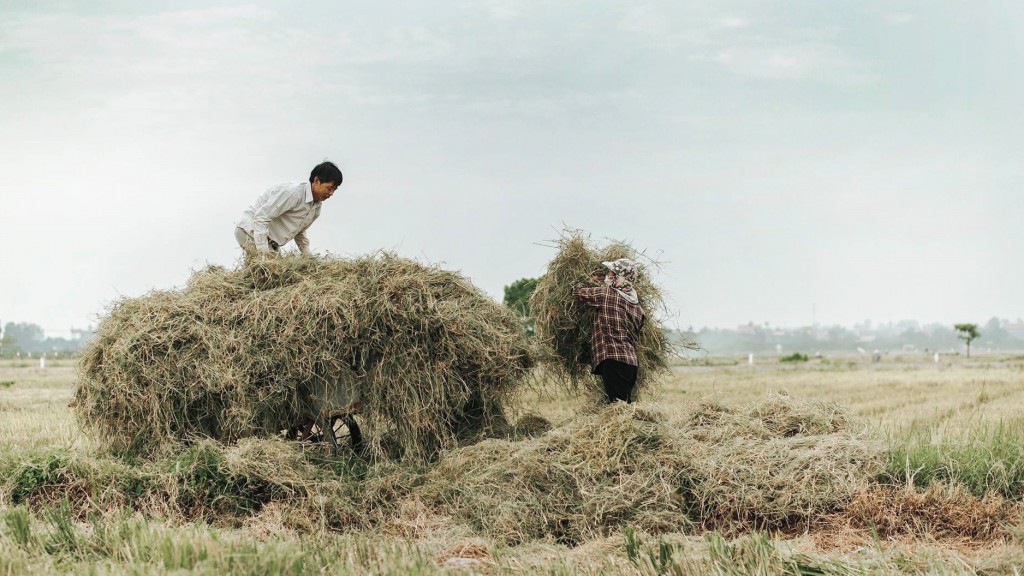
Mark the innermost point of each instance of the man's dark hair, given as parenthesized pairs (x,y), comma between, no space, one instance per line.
(326,172)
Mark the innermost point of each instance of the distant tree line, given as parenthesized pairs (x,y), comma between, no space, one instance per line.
(933,338)
(906,335)
(26,338)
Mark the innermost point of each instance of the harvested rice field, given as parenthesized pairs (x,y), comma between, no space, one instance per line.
(833,466)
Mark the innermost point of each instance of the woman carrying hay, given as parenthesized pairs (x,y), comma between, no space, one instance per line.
(616,327)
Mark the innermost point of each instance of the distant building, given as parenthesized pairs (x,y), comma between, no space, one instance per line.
(1015,329)
(748,328)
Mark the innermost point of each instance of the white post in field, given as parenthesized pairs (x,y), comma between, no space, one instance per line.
(936,357)
(750,359)
(42,361)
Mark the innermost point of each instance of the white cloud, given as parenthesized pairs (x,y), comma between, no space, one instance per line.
(733,23)
(644,19)
(776,60)
(761,45)
(219,61)
(898,18)
(240,42)
(501,9)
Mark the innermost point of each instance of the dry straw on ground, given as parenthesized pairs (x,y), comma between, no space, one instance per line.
(940,511)
(565,325)
(775,464)
(599,473)
(245,351)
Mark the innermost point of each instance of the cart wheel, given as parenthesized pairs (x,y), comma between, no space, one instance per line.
(335,430)
(346,425)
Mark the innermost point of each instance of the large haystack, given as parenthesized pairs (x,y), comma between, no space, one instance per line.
(239,352)
(565,325)
(778,463)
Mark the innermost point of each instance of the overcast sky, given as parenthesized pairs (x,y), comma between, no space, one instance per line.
(788,160)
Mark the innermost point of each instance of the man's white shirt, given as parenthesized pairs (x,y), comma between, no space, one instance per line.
(281,214)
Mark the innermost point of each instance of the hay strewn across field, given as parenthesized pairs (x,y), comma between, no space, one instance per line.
(264,505)
(244,352)
(776,463)
(565,325)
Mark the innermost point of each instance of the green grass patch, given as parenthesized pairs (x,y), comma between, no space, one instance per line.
(51,541)
(983,458)
(207,480)
(204,481)
(88,484)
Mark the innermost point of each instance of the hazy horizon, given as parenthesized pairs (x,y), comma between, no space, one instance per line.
(787,161)
(873,323)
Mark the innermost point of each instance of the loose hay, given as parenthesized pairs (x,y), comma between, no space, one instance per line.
(208,481)
(940,511)
(639,466)
(623,466)
(778,462)
(599,473)
(565,325)
(245,352)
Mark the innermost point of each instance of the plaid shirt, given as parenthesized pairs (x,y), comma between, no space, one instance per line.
(616,328)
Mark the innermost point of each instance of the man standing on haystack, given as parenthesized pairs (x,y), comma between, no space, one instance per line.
(286,211)
(616,328)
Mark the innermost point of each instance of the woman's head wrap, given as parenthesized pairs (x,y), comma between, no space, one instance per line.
(623,276)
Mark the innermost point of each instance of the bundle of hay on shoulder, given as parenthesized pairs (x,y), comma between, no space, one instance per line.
(243,352)
(565,324)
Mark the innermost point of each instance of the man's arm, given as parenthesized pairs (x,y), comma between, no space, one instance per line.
(302,241)
(279,201)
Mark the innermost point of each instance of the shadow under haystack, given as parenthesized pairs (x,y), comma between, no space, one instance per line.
(238,353)
(565,325)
